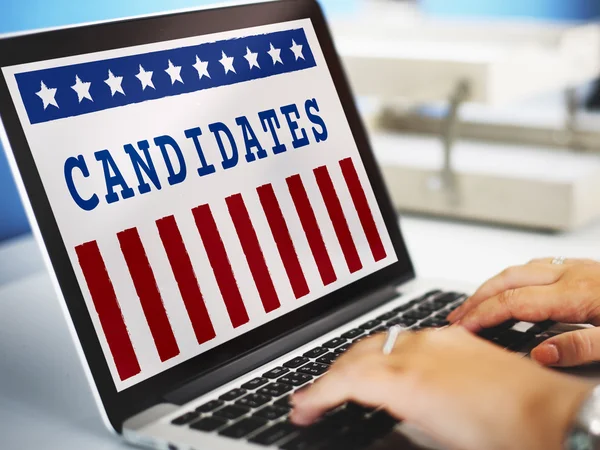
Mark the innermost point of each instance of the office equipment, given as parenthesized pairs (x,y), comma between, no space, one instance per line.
(404,60)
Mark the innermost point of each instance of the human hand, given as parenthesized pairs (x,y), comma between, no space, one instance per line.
(539,291)
(462,390)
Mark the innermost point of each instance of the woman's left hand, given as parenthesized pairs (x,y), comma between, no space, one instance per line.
(464,391)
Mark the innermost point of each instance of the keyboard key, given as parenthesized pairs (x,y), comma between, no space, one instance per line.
(208,424)
(363,433)
(416,314)
(232,395)
(232,412)
(343,349)
(275,389)
(314,369)
(336,342)
(255,383)
(449,297)
(402,321)
(210,406)
(274,434)
(378,330)
(442,315)
(313,436)
(295,379)
(434,323)
(185,418)
(315,352)
(370,324)
(296,362)
(272,412)
(253,400)
(352,333)
(387,316)
(284,402)
(346,416)
(276,372)
(329,358)
(512,339)
(243,427)
(427,307)
(491,333)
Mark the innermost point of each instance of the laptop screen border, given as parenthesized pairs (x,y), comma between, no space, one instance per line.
(137,31)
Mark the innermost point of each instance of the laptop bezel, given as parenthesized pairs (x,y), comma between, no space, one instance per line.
(118,406)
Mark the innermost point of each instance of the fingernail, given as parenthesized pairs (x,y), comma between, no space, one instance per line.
(546,354)
(456,324)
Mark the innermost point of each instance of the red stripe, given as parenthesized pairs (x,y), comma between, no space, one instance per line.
(283,240)
(147,291)
(363,209)
(217,255)
(336,214)
(254,255)
(186,278)
(311,229)
(107,307)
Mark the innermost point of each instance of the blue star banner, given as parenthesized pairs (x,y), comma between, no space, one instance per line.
(78,89)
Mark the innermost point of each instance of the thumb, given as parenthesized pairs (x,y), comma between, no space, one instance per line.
(569,349)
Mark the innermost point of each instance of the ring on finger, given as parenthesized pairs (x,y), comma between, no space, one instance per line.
(390,341)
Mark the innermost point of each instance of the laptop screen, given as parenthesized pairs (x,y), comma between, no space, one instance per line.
(202,187)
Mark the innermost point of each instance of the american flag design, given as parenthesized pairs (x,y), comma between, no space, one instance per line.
(77,89)
(185,241)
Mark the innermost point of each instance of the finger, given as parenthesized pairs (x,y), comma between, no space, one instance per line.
(531,303)
(569,349)
(511,278)
(567,261)
(366,380)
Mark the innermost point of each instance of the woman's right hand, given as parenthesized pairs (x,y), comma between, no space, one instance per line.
(540,291)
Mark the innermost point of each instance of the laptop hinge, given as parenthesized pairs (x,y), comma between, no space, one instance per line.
(272,350)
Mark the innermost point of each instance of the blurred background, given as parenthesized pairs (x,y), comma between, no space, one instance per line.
(478,110)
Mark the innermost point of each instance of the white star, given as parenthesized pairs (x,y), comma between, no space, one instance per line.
(227,62)
(47,95)
(174,72)
(275,54)
(145,78)
(82,88)
(251,58)
(114,83)
(297,49)
(201,67)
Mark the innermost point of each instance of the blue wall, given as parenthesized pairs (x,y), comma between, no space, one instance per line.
(540,9)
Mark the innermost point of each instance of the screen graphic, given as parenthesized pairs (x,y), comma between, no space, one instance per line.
(203,187)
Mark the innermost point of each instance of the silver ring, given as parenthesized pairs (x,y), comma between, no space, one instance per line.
(392,336)
(559,260)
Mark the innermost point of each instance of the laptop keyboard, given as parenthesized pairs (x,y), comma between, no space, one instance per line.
(258,410)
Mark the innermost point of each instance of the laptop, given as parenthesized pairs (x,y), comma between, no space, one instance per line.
(214,222)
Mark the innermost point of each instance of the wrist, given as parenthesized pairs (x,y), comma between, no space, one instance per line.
(558,411)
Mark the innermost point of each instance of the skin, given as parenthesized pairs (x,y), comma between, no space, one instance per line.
(538,291)
(466,392)
(462,390)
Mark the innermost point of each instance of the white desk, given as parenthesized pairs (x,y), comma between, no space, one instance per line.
(44,399)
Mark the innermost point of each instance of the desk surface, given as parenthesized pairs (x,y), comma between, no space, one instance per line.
(44,398)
